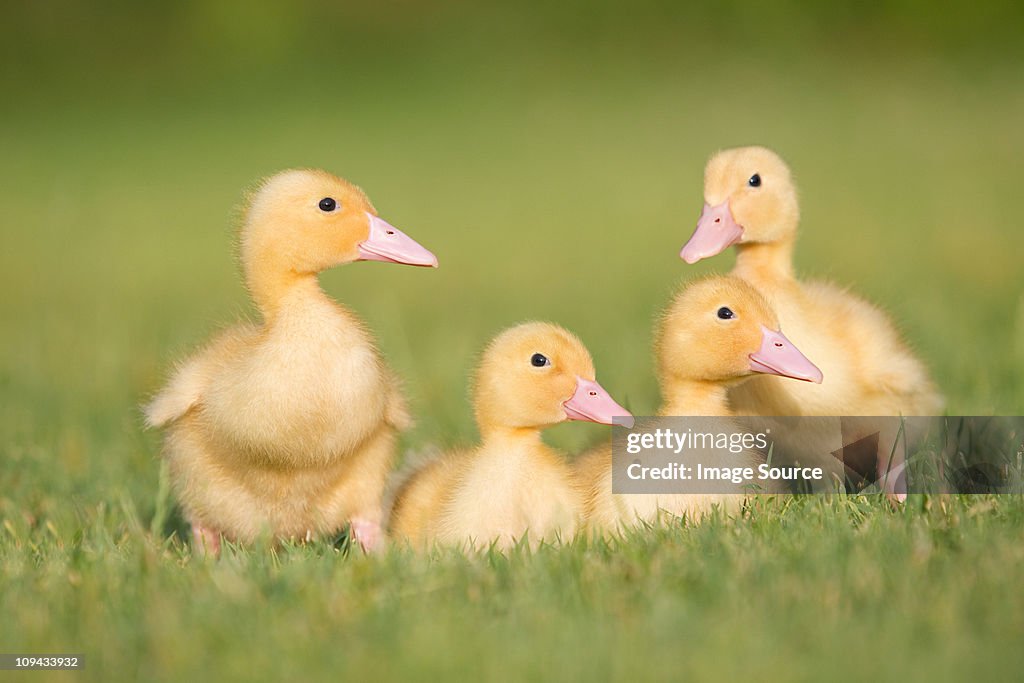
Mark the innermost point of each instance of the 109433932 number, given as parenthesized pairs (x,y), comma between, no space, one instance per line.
(40,661)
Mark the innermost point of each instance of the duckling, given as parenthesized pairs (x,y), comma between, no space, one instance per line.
(751,203)
(715,334)
(512,485)
(286,427)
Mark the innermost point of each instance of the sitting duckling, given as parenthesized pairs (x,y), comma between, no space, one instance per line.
(717,333)
(751,202)
(512,485)
(286,427)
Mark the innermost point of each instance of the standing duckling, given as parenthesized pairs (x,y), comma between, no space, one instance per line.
(512,485)
(286,427)
(717,333)
(751,202)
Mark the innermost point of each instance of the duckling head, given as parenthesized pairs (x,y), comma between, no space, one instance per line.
(720,329)
(535,375)
(307,220)
(749,197)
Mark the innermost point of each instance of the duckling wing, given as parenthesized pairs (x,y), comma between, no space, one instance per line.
(896,380)
(422,497)
(591,473)
(191,378)
(397,414)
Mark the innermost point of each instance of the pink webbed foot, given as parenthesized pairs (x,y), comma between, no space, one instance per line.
(367,533)
(894,480)
(206,540)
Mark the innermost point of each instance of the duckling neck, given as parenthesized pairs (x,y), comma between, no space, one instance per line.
(510,438)
(765,261)
(270,288)
(695,397)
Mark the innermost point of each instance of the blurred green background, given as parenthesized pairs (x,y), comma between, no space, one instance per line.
(550,154)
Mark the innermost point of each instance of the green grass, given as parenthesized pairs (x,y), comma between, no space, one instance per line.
(844,590)
(553,188)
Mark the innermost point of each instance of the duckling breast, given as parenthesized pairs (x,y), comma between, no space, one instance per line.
(309,391)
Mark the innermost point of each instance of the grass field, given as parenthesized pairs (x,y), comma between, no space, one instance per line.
(559,186)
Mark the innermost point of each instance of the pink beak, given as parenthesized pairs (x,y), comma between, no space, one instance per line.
(778,356)
(592,403)
(716,231)
(389,244)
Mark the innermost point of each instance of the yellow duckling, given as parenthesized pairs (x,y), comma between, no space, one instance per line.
(512,485)
(716,333)
(287,427)
(751,202)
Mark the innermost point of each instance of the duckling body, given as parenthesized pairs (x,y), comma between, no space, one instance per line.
(423,497)
(293,432)
(501,492)
(750,202)
(512,486)
(870,369)
(286,428)
(716,333)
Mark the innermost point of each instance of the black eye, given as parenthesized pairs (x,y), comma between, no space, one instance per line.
(755,180)
(328,204)
(539,360)
(725,313)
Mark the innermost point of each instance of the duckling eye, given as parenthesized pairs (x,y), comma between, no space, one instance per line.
(539,360)
(328,204)
(755,180)
(725,313)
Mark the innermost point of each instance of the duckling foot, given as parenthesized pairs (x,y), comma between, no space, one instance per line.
(894,481)
(206,540)
(367,533)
